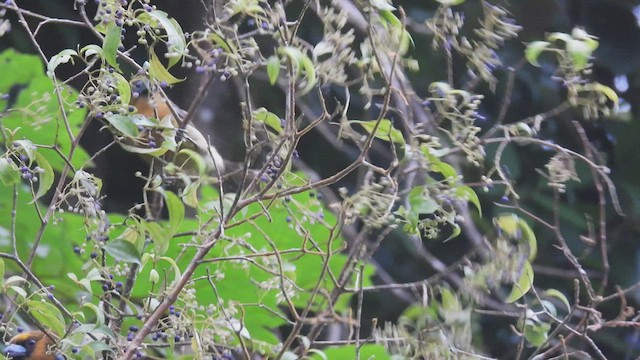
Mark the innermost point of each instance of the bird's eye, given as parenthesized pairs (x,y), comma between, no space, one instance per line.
(31,342)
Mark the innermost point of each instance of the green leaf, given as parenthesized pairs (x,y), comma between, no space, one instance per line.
(385,130)
(158,71)
(176,210)
(300,62)
(466,193)
(8,173)
(123,250)
(273,69)
(124,124)
(111,44)
(533,51)
(190,194)
(580,53)
(124,90)
(608,92)
(36,113)
(558,295)
(176,43)
(160,237)
(185,155)
(134,234)
(268,118)
(450,301)
(422,203)
(536,332)
(47,315)
(367,351)
(516,228)
(310,71)
(62,57)
(91,50)
(145,150)
(222,43)
(99,314)
(523,285)
(27,147)
(46,177)
(18,69)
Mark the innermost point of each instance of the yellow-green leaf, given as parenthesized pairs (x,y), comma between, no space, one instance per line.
(268,118)
(523,285)
(534,50)
(273,69)
(159,72)
(385,131)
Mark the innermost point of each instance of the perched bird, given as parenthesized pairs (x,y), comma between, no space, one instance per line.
(159,108)
(233,173)
(32,345)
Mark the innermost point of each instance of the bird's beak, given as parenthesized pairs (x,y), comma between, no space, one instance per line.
(14,351)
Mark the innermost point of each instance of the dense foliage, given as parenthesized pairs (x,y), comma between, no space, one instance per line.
(402,182)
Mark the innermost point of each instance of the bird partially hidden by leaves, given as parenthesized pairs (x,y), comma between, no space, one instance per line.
(188,137)
(31,345)
(188,140)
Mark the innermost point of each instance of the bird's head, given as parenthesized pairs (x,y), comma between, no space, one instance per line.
(32,345)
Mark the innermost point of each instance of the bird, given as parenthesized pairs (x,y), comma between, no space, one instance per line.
(158,107)
(31,345)
(234,173)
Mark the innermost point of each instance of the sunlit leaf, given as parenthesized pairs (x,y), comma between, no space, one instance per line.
(176,44)
(158,71)
(62,57)
(124,90)
(91,50)
(385,131)
(533,51)
(9,175)
(273,69)
(268,118)
(580,53)
(46,176)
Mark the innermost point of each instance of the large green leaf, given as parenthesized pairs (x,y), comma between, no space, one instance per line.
(36,113)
